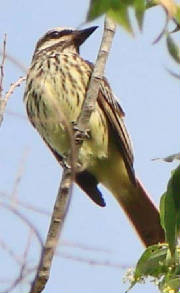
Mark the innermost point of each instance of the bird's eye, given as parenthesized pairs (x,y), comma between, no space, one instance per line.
(57,34)
(54,34)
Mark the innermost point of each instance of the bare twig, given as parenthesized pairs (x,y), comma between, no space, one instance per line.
(18,178)
(24,271)
(64,193)
(26,205)
(4,100)
(13,86)
(25,220)
(25,255)
(34,231)
(164,30)
(85,247)
(94,261)
(10,252)
(15,62)
(16,114)
(18,280)
(2,66)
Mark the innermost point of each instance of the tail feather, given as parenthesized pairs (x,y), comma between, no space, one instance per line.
(142,213)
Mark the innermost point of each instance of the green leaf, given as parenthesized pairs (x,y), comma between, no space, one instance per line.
(175,183)
(177,16)
(173,49)
(172,8)
(168,219)
(98,8)
(152,262)
(170,209)
(118,10)
(139,6)
(162,210)
(170,283)
(150,4)
(156,262)
(121,16)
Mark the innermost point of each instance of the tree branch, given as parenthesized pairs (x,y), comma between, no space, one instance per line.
(2,66)
(4,100)
(92,92)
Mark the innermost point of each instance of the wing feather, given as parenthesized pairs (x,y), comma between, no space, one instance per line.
(115,114)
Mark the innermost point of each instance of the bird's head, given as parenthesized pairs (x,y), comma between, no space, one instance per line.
(63,39)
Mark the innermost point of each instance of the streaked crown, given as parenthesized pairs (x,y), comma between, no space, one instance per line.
(63,38)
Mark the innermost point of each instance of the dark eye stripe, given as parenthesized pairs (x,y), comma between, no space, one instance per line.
(56,34)
(53,35)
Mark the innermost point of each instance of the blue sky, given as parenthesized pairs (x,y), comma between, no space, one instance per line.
(149,96)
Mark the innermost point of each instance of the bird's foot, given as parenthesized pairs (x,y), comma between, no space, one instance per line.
(79,134)
(64,162)
(66,165)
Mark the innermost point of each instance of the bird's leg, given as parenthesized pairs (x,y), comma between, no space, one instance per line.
(79,134)
(65,165)
(64,162)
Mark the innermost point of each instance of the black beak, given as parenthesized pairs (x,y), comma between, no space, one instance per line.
(82,35)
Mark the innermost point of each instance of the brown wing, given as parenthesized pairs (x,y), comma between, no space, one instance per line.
(115,114)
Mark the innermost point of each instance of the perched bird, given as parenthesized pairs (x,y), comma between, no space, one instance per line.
(56,86)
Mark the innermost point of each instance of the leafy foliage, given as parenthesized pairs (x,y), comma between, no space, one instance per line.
(173,49)
(170,210)
(170,6)
(174,52)
(118,10)
(177,15)
(156,262)
(162,261)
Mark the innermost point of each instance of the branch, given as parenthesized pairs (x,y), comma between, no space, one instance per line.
(64,193)
(2,66)
(56,225)
(15,62)
(18,178)
(98,72)
(4,100)
(25,220)
(25,205)
(94,261)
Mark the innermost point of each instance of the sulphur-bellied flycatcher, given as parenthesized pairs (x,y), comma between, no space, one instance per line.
(57,82)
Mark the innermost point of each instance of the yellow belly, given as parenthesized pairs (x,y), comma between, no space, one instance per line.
(60,110)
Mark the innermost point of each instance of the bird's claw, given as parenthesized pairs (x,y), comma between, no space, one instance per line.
(64,163)
(79,134)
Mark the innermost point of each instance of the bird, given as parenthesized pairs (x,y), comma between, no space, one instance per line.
(56,86)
